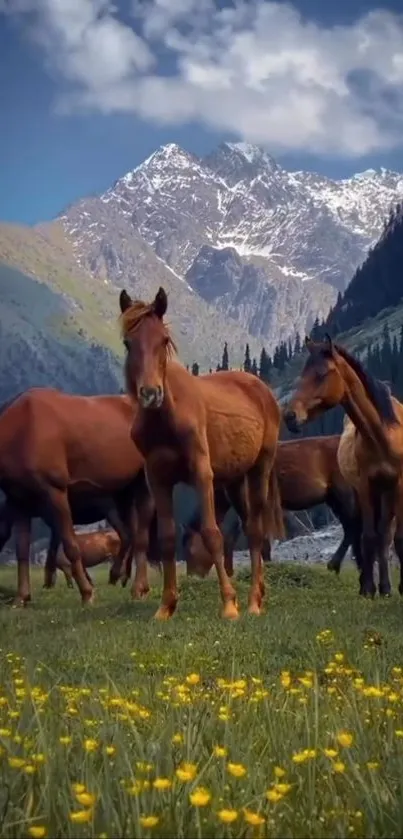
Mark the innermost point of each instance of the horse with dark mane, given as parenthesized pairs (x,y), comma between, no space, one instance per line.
(196,429)
(370,452)
(308,474)
(58,450)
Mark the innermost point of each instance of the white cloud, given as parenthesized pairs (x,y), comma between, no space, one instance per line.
(257,69)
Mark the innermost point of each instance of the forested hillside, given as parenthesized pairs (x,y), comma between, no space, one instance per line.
(40,347)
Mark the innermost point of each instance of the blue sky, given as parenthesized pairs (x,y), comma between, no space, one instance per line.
(88,91)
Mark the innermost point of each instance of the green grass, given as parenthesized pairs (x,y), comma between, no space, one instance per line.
(109,699)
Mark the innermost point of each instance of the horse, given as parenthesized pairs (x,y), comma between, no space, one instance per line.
(194,429)
(55,447)
(96,547)
(308,474)
(370,452)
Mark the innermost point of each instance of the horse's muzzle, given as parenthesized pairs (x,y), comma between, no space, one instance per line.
(151,397)
(291,420)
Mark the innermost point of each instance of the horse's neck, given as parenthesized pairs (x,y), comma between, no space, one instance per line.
(364,415)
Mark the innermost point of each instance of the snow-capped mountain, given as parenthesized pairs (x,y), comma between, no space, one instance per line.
(267,248)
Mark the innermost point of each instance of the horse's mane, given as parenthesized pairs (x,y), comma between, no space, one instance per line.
(135,315)
(10,402)
(378,392)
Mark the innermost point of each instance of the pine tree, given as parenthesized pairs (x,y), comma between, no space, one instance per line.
(196,369)
(264,365)
(297,345)
(225,360)
(247,364)
(254,367)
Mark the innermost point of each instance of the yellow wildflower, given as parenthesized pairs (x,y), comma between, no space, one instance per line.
(16,762)
(252,818)
(330,753)
(81,816)
(90,745)
(29,769)
(177,738)
(279,772)
(282,788)
(149,821)
(86,799)
(162,783)
(193,679)
(345,739)
(65,740)
(220,751)
(37,831)
(273,795)
(339,767)
(200,797)
(78,788)
(399,732)
(373,764)
(186,772)
(285,679)
(110,750)
(227,816)
(236,769)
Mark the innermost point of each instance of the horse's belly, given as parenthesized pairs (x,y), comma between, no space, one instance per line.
(234,448)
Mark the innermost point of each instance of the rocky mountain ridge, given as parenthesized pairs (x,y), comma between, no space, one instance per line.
(264,248)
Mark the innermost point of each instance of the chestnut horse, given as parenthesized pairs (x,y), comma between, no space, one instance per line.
(53,446)
(194,429)
(370,454)
(308,474)
(95,548)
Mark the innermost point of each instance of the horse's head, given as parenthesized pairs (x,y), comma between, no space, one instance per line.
(320,387)
(149,345)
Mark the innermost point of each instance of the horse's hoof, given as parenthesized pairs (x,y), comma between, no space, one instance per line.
(385,593)
(21,602)
(164,613)
(400,588)
(254,609)
(140,594)
(230,611)
(87,599)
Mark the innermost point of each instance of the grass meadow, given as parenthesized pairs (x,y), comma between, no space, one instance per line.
(288,725)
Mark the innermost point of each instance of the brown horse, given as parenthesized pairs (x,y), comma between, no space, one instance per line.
(193,429)
(308,474)
(370,452)
(54,446)
(95,548)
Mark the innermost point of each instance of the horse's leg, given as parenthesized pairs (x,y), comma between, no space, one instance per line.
(6,524)
(398,543)
(61,514)
(258,486)
(222,505)
(386,503)
(368,540)
(163,498)
(121,566)
(140,536)
(338,506)
(22,549)
(50,571)
(211,533)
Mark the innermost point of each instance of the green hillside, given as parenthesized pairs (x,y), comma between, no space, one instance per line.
(356,340)
(43,341)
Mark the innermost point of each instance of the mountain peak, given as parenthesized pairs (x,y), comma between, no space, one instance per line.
(252,154)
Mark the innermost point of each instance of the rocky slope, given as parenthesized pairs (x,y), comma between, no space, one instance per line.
(266,248)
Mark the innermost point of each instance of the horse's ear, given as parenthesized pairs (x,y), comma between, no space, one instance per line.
(160,304)
(125,301)
(308,343)
(329,343)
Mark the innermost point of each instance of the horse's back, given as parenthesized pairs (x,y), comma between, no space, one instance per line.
(64,436)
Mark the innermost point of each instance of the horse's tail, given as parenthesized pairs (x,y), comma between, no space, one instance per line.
(273,515)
